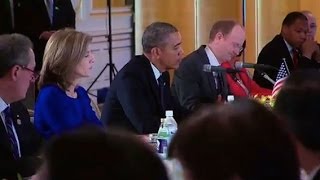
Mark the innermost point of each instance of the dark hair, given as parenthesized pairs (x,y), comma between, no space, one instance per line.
(223,26)
(242,139)
(91,153)
(292,17)
(156,34)
(14,50)
(298,102)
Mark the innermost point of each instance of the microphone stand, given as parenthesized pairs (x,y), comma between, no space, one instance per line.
(265,76)
(225,91)
(112,68)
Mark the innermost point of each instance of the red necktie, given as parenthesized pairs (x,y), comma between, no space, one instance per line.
(295,55)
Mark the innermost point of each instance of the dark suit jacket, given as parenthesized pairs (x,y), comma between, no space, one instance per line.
(5,17)
(133,100)
(29,142)
(31,19)
(191,85)
(272,54)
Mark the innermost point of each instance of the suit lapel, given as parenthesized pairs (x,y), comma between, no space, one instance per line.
(4,140)
(151,79)
(205,60)
(286,54)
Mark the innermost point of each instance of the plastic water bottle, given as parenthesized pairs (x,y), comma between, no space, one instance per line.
(171,123)
(163,138)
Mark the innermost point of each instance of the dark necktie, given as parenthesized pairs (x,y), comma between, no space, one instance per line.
(162,84)
(164,90)
(12,138)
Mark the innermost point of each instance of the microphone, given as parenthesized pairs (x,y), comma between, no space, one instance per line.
(239,65)
(209,68)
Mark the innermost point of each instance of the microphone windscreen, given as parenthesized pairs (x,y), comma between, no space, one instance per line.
(238,65)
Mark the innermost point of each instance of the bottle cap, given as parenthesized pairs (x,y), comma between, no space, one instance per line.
(230,98)
(169,113)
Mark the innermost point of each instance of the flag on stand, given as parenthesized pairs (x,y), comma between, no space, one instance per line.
(281,77)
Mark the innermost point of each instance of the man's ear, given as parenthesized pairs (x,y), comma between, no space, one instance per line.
(285,29)
(14,72)
(155,52)
(219,36)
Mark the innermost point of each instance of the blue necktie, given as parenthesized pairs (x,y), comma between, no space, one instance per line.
(12,138)
(50,9)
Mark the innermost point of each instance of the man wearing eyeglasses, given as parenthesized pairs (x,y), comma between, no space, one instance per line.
(191,85)
(18,140)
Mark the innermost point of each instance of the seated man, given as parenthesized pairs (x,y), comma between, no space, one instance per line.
(291,46)
(191,85)
(19,141)
(140,93)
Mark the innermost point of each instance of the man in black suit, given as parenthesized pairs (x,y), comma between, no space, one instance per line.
(140,93)
(298,104)
(6,17)
(18,139)
(191,85)
(38,19)
(291,46)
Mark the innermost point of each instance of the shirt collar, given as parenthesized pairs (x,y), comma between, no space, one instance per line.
(156,71)
(3,105)
(289,47)
(212,58)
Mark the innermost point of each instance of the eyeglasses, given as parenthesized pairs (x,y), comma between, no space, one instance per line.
(35,75)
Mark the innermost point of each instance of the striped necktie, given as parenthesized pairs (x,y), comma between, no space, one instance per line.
(10,132)
(49,4)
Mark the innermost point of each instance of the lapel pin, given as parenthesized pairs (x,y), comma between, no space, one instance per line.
(56,8)
(18,120)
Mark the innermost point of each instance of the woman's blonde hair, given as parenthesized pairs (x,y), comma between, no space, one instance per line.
(64,51)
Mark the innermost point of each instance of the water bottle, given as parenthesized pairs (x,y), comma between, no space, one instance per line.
(171,123)
(163,139)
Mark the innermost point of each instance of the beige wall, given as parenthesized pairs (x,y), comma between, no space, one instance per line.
(209,11)
(194,19)
(177,12)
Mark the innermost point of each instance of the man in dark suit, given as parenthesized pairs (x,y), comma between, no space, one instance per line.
(140,93)
(298,104)
(6,19)
(18,139)
(291,46)
(191,85)
(38,19)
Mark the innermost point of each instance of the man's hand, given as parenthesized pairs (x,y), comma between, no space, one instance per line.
(45,35)
(308,48)
(316,55)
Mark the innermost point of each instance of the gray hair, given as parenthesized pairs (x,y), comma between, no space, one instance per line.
(14,50)
(156,34)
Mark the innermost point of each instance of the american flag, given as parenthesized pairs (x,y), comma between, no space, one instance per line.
(281,77)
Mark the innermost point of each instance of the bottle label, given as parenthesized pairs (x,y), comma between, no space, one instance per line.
(163,146)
